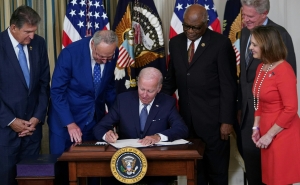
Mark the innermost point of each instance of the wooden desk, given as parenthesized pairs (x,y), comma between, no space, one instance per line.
(35,180)
(180,160)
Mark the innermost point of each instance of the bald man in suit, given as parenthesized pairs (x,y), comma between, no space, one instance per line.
(207,86)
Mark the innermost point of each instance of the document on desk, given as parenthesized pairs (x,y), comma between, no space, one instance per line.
(134,143)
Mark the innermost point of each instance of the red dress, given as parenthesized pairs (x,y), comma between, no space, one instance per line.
(278,103)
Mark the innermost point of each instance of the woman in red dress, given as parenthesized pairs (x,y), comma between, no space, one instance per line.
(276,129)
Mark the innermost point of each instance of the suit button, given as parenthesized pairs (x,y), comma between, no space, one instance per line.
(188,74)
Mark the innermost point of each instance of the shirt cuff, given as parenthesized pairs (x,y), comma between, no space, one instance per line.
(163,137)
(11,122)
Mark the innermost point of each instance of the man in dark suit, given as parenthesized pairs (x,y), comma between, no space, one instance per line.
(254,13)
(162,124)
(82,83)
(207,85)
(24,95)
(77,103)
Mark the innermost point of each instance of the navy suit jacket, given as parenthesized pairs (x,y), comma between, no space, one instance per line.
(163,118)
(72,89)
(16,99)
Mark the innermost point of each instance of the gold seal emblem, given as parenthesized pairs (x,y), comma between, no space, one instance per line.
(128,165)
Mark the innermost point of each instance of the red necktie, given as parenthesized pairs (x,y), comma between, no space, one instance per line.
(191,52)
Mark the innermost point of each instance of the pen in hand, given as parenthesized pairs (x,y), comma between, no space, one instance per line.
(115,135)
(111,136)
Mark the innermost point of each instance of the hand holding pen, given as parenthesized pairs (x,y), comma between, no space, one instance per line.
(111,136)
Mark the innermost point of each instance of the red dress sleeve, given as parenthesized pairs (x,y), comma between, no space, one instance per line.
(286,82)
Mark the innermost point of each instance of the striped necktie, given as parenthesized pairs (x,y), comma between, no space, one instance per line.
(191,51)
(248,54)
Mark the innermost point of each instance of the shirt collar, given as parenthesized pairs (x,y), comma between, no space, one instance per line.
(266,21)
(90,46)
(12,38)
(141,104)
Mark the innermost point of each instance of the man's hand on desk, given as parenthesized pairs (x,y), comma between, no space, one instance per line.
(111,136)
(150,140)
(74,132)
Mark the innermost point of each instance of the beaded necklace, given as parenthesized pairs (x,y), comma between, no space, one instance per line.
(256,98)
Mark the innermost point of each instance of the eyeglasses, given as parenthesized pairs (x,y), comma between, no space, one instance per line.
(106,58)
(194,28)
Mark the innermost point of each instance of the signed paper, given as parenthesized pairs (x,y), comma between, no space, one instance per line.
(134,143)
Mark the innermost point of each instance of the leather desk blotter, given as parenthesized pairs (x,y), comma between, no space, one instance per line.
(89,146)
(37,166)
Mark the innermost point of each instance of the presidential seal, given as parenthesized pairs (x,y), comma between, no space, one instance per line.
(128,165)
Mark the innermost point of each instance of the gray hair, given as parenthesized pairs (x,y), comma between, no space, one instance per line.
(260,6)
(149,73)
(107,36)
(24,14)
(203,14)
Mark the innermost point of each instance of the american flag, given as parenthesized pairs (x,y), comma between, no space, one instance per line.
(83,18)
(181,5)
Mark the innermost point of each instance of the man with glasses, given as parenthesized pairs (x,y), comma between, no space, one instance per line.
(202,67)
(82,83)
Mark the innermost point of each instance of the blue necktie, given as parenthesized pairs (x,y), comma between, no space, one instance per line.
(97,78)
(248,57)
(143,117)
(23,64)
(248,53)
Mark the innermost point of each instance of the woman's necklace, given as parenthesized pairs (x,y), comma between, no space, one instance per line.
(256,97)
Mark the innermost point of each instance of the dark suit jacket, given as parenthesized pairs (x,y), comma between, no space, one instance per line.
(16,99)
(72,89)
(163,118)
(207,87)
(247,75)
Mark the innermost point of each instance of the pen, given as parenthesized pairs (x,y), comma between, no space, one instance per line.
(115,133)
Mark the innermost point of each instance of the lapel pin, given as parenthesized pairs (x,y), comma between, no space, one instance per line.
(30,47)
(157,105)
(203,44)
